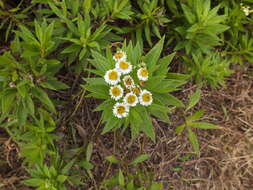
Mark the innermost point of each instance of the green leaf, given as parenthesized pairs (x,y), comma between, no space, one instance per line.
(27,35)
(136,121)
(87,6)
(111,124)
(194,99)
(153,55)
(87,165)
(167,99)
(96,81)
(130,185)
(121,178)
(188,14)
(156,30)
(196,116)
(204,125)
(158,107)
(21,114)
(140,159)
(62,178)
(164,63)
(105,105)
(71,48)
(53,84)
(7,100)
(38,31)
(56,10)
(89,151)
(193,140)
(22,88)
(72,28)
(68,166)
(75,180)
(148,34)
(97,95)
(172,100)
(34,182)
(112,159)
(29,104)
(147,126)
(82,53)
(180,128)
(48,36)
(156,186)
(100,62)
(99,89)
(43,97)
(163,116)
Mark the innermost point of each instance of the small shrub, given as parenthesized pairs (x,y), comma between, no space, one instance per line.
(136,93)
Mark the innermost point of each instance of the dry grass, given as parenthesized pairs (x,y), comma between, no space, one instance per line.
(226,160)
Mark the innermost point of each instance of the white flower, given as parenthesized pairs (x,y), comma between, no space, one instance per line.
(246,11)
(120,110)
(142,74)
(112,77)
(128,81)
(131,99)
(124,67)
(116,92)
(145,98)
(119,55)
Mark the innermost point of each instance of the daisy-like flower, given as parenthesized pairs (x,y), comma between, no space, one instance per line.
(142,74)
(120,110)
(124,67)
(136,90)
(245,9)
(128,81)
(131,99)
(145,98)
(112,77)
(119,55)
(116,92)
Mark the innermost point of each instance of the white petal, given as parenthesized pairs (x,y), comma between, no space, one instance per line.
(123,58)
(112,82)
(116,97)
(143,102)
(124,71)
(140,77)
(131,94)
(116,114)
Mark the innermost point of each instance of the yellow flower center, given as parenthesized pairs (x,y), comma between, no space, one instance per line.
(136,90)
(144,72)
(146,97)
(123,65)
(116,91)
(121,109)
(113,75)
(118,55)
(131,99)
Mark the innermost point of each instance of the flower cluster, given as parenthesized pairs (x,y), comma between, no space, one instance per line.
(246,9)
(123,87)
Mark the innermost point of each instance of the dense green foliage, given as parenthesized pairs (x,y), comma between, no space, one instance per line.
(42,38)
